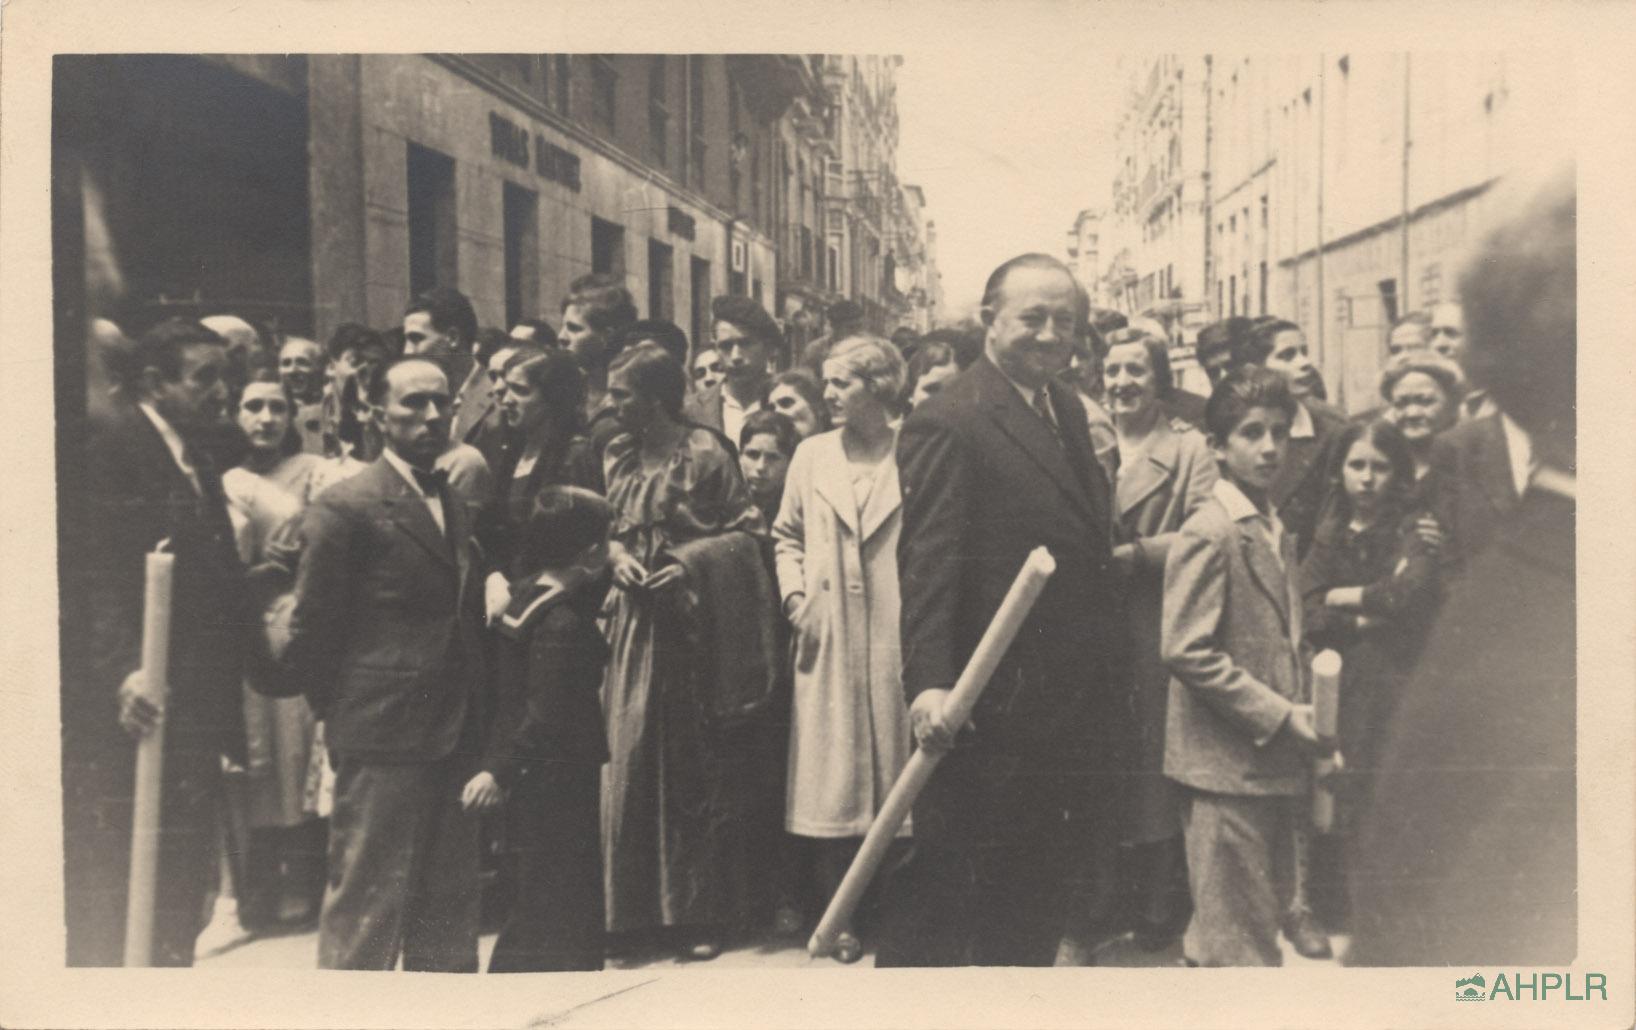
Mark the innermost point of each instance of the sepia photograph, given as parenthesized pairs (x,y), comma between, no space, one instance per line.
(696,514)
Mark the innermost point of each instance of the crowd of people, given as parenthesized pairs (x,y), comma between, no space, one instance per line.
(636,632)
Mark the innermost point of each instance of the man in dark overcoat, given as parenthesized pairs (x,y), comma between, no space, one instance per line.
(150,477)
(998,463)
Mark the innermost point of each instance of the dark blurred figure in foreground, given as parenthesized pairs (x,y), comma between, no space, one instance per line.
(1468,854)
(152,477)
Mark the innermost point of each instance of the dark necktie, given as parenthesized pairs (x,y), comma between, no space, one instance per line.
(434,483)
(1042,406)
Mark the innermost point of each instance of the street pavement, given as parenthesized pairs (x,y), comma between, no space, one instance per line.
(223,945)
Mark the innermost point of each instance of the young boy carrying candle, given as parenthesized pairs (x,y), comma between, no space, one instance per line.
(1239,732)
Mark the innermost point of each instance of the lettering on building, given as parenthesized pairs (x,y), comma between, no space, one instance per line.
(509,142)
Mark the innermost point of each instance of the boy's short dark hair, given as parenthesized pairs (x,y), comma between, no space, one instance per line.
(354,337)
(1252,347)
(664,332)
(749,318)
(604,302)
(772,423)
(1243,388)
(450,311)
(490,342)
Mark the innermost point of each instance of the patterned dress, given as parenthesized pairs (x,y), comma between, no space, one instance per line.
(671,809)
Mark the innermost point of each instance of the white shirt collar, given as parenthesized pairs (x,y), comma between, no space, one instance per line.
(1301,427)
(1520,450)
(406,470)
(173,440)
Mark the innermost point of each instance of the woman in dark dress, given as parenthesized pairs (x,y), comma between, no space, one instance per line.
(672,808)
(1369,585)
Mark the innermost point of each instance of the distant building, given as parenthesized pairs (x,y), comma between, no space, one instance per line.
(1084,253)
(303,191)
(1335,190)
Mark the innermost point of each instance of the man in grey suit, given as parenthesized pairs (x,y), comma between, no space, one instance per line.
(385,636)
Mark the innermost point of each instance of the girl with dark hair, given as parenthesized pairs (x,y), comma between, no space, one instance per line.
(668,802)
(542,408)
(1369,585)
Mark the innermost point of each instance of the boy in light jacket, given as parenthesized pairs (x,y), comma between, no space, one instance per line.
(1239,733)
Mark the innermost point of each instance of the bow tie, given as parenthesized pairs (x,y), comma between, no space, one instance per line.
(434,483)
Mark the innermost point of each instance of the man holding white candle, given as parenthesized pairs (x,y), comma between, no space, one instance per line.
(150,477)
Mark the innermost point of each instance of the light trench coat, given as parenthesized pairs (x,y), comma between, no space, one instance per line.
(849,731)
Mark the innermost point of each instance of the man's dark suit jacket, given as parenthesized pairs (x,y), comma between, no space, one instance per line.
(1302,488)
(386,629)
(1472,488)
(984,483)
(477,418)
(135,496)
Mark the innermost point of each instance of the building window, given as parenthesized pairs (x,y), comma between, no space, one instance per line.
(695,120)
(1263,287)
(522,252)
(832,266)
(1232,295)
(564,83)
(607,247)
(661,287)
(658,109)
(604,88)
(699,290)
(432,225)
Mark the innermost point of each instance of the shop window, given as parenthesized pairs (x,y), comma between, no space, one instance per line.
(522,252)
(607,247)
(661,295)
(432,223)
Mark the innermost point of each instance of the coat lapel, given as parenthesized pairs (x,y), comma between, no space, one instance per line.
(1030,433)
(1140,479)
(408,512)
(1263,566)
(885,497)
(830,480)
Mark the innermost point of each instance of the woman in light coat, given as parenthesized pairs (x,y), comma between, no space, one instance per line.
(836,539)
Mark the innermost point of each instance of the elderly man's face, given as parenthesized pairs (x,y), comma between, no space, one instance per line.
(1031,328)
(299,364)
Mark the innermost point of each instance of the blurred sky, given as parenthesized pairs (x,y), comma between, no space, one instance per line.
(1009,145)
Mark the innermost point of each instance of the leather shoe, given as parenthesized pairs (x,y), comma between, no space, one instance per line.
(1305,937)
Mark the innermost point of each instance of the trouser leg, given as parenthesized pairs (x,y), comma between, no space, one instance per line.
(1232,845)
(444,904)
(374,829)
(556,917)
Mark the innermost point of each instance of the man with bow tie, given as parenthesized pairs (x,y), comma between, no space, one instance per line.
(385,634)
(150,477)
